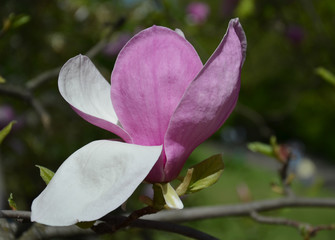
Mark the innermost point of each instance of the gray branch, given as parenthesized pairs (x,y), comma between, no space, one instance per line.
(305,229)
(162,220)
(92,52)
(109,227)
(39,231)
(198,213)
(26,93)
(274,220)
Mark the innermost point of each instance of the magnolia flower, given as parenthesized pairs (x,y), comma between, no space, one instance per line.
(197,12)
(162,102)
(7,114)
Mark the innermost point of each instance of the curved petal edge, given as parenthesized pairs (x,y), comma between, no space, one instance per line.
(149,78)
(85,89)
(208,101)
(93,181)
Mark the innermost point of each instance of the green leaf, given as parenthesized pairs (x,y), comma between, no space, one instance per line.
(245,8)
(262,148)
(14,21)
(20,20)
(11,202)
(206,173)
(6,25)
(325,74)
(273,142)
(85,225)
(2,80)
(46,174)
(183,186)
(304,230)
(4,132)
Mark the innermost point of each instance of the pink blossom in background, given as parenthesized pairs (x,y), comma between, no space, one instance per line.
(13,142)
(114,47)
(162,101)
(295,34)
(6,115)
(197,12)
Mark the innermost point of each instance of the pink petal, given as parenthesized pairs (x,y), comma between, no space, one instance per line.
(149,78)
(83,87)
(208,101)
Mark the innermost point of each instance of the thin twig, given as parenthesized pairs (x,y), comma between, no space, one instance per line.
(274,220)
(318,228)
(283,174)
(26,93)
(38,231)
(109,227)
(41,78)
(27,96)
(15,91)
(92,52)
(44,116)
(255,117)
(20,216)
(199,213)
(136,215)
(305,229)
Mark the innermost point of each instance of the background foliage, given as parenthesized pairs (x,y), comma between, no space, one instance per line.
(281,93)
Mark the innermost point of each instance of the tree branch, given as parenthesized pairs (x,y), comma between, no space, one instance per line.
(20,216)
(199,213)
(305,229)
(26,93)
(15,91)
(159,220)
(114,221)
(41,78)
(44,115)
(92,52)
(134,216)
(38,231)
(255,117)
(274,220)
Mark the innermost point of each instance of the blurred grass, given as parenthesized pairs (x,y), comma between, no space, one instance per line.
(257,178)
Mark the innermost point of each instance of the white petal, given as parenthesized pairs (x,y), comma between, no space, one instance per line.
(82,86)
(180,32)
(171,197)
(93,181)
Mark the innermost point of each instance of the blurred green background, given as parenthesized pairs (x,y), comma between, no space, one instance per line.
(281,92)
